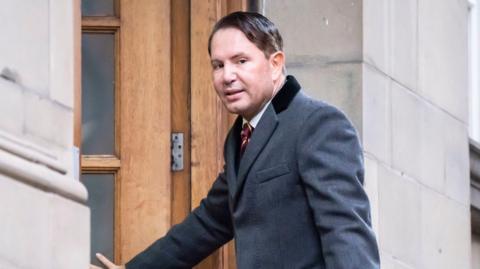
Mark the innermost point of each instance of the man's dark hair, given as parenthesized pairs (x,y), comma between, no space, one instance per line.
(256,27)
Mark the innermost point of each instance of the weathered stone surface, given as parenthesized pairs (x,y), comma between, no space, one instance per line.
(24,42)
(443,67)
(11,107)
(69,229)
(403,45)
(338,84)
(48,121)
(377,130)
(399,215)
(329,29)
(445,232)
(457,173)
(62,52)
(376,35)
(417,139)
(24,228)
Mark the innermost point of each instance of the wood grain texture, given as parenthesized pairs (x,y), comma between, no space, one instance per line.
(210,120)
(181,202)
(206,110)
(100,22)
(145,187)
(100,163)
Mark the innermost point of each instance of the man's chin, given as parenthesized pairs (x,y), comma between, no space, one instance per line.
(234,108)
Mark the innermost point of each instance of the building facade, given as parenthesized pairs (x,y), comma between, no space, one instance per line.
(401,70)
(45,222)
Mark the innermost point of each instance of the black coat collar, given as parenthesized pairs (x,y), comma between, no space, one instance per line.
(286,94)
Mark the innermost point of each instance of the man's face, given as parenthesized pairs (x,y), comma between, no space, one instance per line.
(242,75)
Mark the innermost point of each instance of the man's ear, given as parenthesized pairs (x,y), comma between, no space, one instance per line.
(277,63)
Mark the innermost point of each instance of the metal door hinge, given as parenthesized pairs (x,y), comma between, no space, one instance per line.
(177,151)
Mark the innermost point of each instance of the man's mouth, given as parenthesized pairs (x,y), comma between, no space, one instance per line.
(233,94)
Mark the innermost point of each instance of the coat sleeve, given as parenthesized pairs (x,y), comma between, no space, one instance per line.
(330,162)
(205,229)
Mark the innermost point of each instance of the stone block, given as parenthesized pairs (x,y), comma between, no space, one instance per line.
(62,52)
(11,107)
(337,84)
(445,233)
(24,45)
(376,35)
(399,216)
(371,188)
(331,30)
(457,172)
(443,54)
(386,261)
(390,262)
(403,45)
(24,232)
(48,121)
(417,142)
(376,114)
(70,232)
(400,265)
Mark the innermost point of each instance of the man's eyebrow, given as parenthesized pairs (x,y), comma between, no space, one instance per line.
(238,55)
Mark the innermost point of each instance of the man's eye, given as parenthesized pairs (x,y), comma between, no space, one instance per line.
(242,61)
(217,66)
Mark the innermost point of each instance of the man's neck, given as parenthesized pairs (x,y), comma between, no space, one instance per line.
(256,118)
(278,85)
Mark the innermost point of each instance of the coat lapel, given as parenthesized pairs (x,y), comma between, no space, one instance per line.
(260,137)
(231,156)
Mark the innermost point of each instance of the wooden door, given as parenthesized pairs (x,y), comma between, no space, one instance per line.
(145,75)
(207,143)
(126,122)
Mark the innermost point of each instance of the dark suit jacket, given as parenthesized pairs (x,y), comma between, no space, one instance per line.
(294,200)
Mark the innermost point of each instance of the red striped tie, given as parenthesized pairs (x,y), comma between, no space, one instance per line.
(245,137)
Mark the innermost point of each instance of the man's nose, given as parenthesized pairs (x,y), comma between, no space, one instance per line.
(229,74)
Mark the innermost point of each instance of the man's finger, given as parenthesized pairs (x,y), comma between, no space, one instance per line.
(105,261)
(94,267)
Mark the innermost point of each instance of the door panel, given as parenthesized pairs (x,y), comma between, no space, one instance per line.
(101,201)
(98,95)
(125,123)
(145,191)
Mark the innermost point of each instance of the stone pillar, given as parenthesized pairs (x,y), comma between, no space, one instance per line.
(323,47)
(44,222)
(399,71)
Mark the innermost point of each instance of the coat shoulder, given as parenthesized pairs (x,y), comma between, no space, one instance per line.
(304,106)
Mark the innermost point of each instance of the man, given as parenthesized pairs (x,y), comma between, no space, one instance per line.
(291,192)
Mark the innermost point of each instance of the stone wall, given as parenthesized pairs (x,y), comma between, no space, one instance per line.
(322,43)
(399,70)
(44,221)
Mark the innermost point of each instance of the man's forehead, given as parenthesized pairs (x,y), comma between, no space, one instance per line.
(231,40)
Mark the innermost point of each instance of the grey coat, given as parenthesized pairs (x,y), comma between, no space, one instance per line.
(294,200)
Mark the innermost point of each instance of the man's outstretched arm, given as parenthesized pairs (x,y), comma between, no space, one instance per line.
(204,230)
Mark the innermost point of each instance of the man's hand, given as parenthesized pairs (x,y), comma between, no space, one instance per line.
(106,262)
